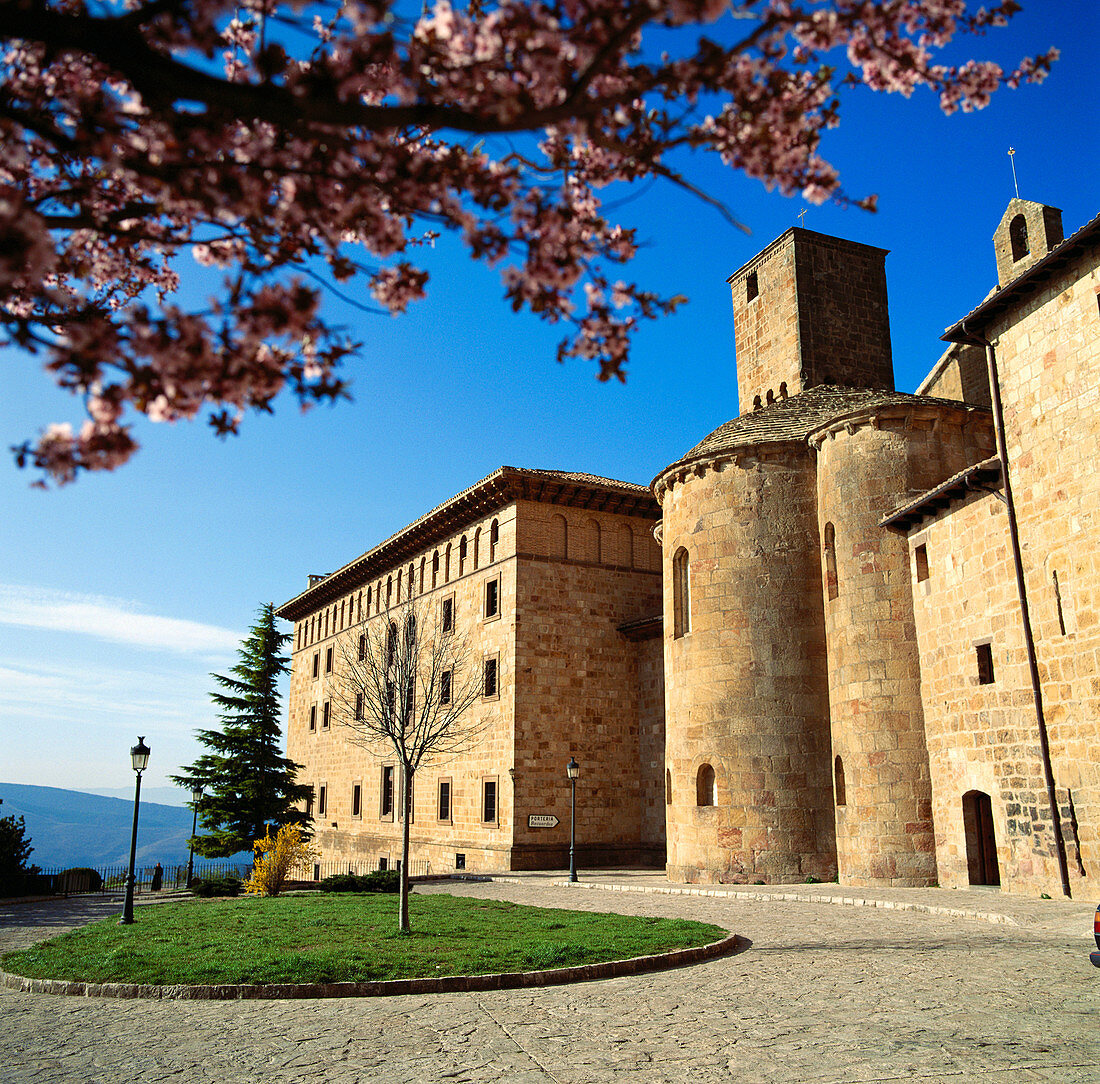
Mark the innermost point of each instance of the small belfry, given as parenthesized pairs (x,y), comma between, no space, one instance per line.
(1026,234)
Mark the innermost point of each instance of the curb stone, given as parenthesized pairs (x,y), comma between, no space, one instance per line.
(512,980)
(994,917)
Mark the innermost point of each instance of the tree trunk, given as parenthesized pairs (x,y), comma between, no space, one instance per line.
(406,805)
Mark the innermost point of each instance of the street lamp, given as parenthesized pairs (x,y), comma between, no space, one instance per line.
(196,797)
(139,757)
(572,770)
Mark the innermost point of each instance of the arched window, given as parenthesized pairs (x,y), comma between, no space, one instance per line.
(1017,236)
(981,840)
(838,779)
(559,536)
(494,538)
(391,644)
(423,565)
(410,636)
(681,594)
(831,588)
(435,568)
(378,598)
(398,587)
(477,546)
(668,786)
(389,591)
(756,404)
(462,555)
(706,786)
(359,606)
(447,564)
(594,547)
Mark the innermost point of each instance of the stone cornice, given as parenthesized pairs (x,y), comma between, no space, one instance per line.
(747,455)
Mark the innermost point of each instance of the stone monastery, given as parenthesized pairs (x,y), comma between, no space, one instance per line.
(853,633)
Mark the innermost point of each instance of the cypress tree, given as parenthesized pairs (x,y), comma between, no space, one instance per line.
(248,783)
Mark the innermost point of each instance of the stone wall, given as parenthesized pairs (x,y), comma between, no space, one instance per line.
(747,691)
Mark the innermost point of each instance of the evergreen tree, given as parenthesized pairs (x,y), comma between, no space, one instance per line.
(248,784)
(15,849)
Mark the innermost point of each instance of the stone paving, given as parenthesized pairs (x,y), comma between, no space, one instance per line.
(827,994)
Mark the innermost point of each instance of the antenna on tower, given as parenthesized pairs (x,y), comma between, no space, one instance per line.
(1012,162)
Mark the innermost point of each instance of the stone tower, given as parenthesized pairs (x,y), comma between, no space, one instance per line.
(1026,233)
(808,310)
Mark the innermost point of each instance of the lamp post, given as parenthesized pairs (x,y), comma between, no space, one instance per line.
(196,797)
(139,757)
(572,770)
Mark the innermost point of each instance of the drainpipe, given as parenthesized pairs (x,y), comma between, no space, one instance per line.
(1021,594)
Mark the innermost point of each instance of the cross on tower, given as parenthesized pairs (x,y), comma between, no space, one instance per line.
(801,216)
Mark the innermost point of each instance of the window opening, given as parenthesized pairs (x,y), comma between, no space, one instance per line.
(838,779)
(435,568)
(313,717)
(391,644)
(494,538)
(668,787)
(831,584)
(489,802)
(490,684)
(445,681)
(1017,234)
(477,546)
(752,287)
(460,861)
(325,715)
(492,598)
(984,653)
(444,799)
(356,800)
(462,555)
(387,791)
(362,647)
(920,559)
(358,707)
(316,663)
(681,593)
(328,660)
(322,800)
(447,619)
(706,786)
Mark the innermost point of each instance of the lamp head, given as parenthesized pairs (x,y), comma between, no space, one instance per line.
(139,755)
(572,769)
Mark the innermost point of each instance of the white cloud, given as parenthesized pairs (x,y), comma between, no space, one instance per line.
(111,619)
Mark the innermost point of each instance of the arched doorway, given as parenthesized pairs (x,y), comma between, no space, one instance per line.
(981,841)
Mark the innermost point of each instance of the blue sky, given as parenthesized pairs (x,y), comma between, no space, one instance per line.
(120,594)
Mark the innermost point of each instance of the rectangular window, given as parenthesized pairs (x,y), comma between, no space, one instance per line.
(362,648)
(313,717)
(328,660)
(489,801)
(752,286)
(386,804)
(920,558)
(490,687)
(985,663)
(310,802)
(325,715)
(444,813)
(492,598)
(316,663)
(447,618)
(460,861)
(358,707)
(322,800)
(446,680)
(356,799)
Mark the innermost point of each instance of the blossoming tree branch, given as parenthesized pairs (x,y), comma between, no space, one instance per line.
(305,148)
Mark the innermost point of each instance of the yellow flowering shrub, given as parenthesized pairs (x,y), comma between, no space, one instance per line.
(276,856)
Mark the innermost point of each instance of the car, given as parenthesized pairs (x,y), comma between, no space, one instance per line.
(1095,956)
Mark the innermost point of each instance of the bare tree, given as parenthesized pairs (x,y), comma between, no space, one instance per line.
(405,684)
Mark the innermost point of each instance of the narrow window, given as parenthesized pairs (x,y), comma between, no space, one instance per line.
(362,647)
(752,286)
(462,555)
(435,568)
(399,575)
(706,786)
(984,654)
(322,800)
(391,645)
(447,564)
(359,607)
(313,717)
(410,636)
(838,780)
(831,584)
(559,536)
(460,861)
(316,663)
(668,786)
(1017,234)
(386,804)
(369,595)
(358,707)
(391,701)
(492,598)
(489,801)
(328,660)
(494,538)
(920,559)
(444,813)
(389,591)
(447,617)
(423,565)
(681,593)
(412,577)
(489,687)
(310,801)
(356,800)
(446,679)
(325,715)
(477,546)
(1058,603)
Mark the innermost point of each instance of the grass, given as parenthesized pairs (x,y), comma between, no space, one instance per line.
(343,938)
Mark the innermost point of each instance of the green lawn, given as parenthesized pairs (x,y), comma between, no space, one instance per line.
(343,938)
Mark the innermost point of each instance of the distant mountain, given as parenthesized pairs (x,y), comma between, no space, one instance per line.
(164,795)
(70,828)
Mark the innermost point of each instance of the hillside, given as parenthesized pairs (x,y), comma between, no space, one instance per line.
(70,828)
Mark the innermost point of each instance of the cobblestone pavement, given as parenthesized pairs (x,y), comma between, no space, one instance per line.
(826,995)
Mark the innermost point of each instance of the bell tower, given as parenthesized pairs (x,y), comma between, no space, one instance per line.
(810,309)
(1027,232)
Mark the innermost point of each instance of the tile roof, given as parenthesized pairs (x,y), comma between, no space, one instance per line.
(976,476)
